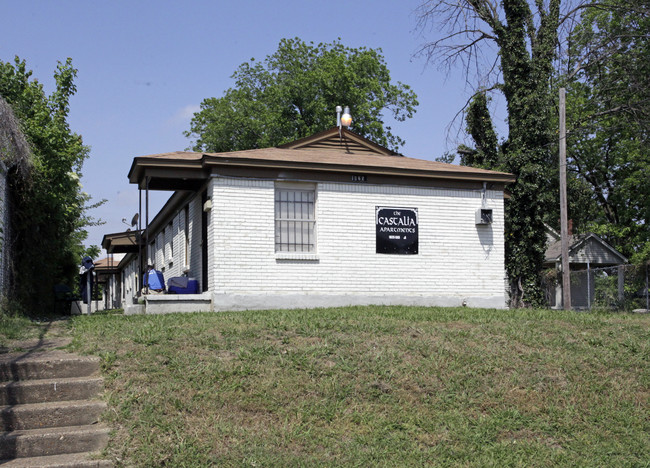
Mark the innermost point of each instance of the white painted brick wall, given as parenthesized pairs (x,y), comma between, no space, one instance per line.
(175,236)
(130,281)
(160,254)
(456,258)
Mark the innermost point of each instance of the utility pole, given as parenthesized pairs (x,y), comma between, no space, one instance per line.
(564,230)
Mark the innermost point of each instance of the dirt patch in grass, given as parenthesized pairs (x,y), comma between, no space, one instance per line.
(527,436)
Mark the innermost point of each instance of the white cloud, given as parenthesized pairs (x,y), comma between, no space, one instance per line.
(184,115)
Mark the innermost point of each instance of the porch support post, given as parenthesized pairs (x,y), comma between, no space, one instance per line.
(146,210)
(138,238)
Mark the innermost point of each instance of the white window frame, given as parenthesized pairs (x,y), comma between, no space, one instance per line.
(298,218)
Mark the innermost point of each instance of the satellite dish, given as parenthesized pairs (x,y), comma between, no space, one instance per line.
(134,221)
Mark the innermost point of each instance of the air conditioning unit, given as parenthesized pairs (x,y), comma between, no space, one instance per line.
(484,216)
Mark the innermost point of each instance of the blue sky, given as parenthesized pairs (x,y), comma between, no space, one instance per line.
(145,66)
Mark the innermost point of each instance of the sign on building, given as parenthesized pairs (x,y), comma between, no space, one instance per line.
(397,230)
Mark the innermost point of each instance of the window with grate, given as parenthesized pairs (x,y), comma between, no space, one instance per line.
(295,220)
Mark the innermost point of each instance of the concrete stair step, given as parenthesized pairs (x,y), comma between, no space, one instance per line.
(53,441)
(46,365)
(68,460)
(47,390)
(51,414)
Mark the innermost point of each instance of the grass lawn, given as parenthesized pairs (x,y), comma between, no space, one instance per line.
(375,386)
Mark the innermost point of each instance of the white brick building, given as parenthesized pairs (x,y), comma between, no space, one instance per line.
(325,221)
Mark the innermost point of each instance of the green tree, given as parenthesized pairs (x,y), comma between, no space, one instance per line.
(481,129)
(608,111)
(524,35)
(293,94)
(49,207)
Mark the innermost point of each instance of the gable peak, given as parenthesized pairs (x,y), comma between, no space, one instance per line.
(340,140)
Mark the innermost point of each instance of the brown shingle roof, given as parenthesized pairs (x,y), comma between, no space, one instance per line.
(328,157)
(106,265)
(352,154)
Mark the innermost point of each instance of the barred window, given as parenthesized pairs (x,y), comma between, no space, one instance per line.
(295,220)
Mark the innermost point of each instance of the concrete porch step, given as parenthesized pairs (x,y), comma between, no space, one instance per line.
(68,460)
(47,390)
(53,441)
(46,365)
(46,406)
(51,414)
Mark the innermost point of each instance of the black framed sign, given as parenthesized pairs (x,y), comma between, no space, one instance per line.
(397,230)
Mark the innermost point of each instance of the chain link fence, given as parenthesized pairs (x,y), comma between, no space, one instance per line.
(623,287)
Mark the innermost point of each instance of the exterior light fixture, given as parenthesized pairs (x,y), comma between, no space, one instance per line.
(346,118)
(207,206)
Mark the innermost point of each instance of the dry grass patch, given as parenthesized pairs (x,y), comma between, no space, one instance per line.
(375,386)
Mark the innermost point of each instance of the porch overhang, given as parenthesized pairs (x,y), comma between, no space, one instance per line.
(166,174)
(122,242)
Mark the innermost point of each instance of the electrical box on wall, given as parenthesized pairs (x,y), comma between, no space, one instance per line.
(484,216)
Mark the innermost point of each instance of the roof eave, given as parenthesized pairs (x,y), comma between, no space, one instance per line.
(140,165)
(361,169)
(129,244)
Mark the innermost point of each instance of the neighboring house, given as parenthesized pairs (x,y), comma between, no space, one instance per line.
(108,276)
(124,244)
(586,253)
(107,284)
(328,220)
